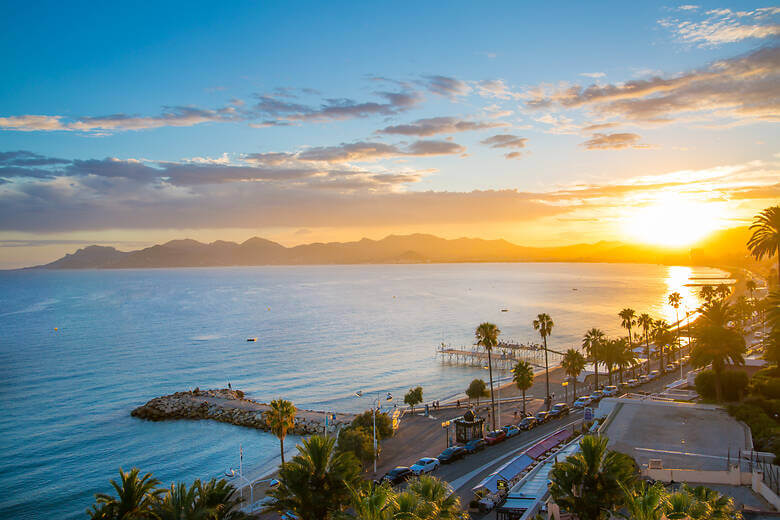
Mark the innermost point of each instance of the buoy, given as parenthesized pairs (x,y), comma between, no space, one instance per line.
(55,329)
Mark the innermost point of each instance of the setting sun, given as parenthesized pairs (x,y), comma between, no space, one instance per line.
(672,221)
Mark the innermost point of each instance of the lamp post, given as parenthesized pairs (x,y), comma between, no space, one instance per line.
(376,402)
(230,472)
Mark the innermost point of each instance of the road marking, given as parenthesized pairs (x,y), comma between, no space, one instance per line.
(686,453)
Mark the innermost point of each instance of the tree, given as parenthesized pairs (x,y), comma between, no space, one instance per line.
(373,501)
(544,324)
(218,499)
(414,397)
(437,499)
(487,338)
(135,496)
(627,317)
(662,337)
(477,389)
(573,364)
(523,377)
(675,300)
(384,423)
(624,356)
(357,440)
(646,322)
(645,502)
(587,484)
(425,498)
(707,293)
(593,343)
(610,354)
(316,483)
(280,418)
(751,286)
(722,291)
(765,241)
(717,342)
(773,320)
(178,502)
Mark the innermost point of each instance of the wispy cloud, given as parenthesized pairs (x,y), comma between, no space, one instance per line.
(721,26)
(593,74)
(439,125)
(613,142)
(507,141)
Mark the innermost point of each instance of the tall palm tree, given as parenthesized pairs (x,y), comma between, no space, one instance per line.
(722,291)
(661,337)
(773,320)
(587,484)
(523,378)
(717,342)
(592,344)
(675,300)
(280,418)
(646,322)
(573,364)
(765,241)
(316,483)
(135,496)
(219,500)
(625,356)
(610,353)
(544,324)
(627,317)
(707,293)
(487,338)
(644,502)
(438,502)
(178,503)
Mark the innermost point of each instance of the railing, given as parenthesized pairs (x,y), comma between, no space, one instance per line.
(757,461)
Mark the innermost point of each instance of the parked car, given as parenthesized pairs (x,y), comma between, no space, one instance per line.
(452,454)
(397,475)
(475,445)
(495,437)
(559,410)
(652,375)
(582,402)
(670,367)
(511,430)
(425,465)
(610,391)
(542,417)
(644,378)
(632,383)
(596,396)
(527,423)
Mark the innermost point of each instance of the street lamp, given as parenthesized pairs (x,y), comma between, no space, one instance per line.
(230,472)
(377,403)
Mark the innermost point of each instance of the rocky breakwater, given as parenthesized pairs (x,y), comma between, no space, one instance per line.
(230,406)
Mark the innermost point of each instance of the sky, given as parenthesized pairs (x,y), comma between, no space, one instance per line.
(136,123)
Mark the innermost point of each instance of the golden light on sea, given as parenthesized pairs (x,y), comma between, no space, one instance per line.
(672,220)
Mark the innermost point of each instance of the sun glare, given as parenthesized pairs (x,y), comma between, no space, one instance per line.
(672,221)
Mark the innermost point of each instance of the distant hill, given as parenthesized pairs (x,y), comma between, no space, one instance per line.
(726,247)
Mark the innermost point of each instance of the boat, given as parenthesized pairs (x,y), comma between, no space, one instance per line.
(504,310)
(251,339)
(230,473)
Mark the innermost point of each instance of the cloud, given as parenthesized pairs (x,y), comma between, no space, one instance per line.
(741,89)
(726,26)
(612,141)
(558,124)
(31,123)
(439,125)
(593,74)
(446,86)
(507,141)
(367,151)
(26,158)
(599,126)
(496,88)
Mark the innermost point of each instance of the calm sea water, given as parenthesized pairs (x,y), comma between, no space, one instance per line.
(323,332)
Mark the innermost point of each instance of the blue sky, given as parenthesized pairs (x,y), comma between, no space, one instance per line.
(146,113)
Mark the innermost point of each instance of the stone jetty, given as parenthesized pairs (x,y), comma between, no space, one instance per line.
(230,406)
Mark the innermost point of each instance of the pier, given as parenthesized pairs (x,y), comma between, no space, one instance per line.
(505,356)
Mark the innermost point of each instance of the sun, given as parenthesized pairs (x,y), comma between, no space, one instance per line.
(672,221)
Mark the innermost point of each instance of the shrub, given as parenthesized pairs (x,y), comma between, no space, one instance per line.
(357,441)
(477,389)
(767,387)
(384,424)
(414,397)
(733,383)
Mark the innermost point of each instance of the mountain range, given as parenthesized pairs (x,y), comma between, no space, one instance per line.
(723,247)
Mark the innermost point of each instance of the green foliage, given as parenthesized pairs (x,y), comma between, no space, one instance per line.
(765,429)
(280,418)
(477,389)
(425,498)
(414,397)
(734,384)
(768,387)
(384,424)
(359,441)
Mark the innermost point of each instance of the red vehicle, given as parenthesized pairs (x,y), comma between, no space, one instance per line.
(495,437)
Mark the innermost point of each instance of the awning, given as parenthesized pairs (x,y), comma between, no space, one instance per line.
(547,443)
(506,472)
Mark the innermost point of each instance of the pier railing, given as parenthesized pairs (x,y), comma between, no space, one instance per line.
(505,355)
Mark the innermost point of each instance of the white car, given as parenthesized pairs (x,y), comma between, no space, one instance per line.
(425,465)
(632,383)
(582,402)
(610,391)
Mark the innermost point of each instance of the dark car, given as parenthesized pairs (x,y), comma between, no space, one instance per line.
(475,445)
(542,417)
(397,475)
(527,423)
(559,410)
(495,437)
(452,454)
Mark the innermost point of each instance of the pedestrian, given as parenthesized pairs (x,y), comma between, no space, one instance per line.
(458,403)
(229,387)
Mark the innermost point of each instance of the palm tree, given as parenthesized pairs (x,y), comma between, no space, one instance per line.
(625,356)
(544,324)
(487,338)
(592,344)
(675,300)
(610,353)
(707,292)
(135,497)
(219,500)
(316,483)
(573,364)
(437,500)
(627,321)
(588,483)
(523,378)
(178,502)
(751,286)
(717,342)
(765,241)
(373,501)
(661,338)
(773,319)
(280,418)
(645,502)
(646,322)
(718,507)
(722,291)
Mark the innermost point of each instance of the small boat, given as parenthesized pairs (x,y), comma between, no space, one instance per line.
(251,339)
(230,473)
(504,310)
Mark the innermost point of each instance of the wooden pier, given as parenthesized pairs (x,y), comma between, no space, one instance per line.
(505,355)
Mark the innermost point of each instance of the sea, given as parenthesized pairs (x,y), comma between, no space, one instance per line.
(80,349)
